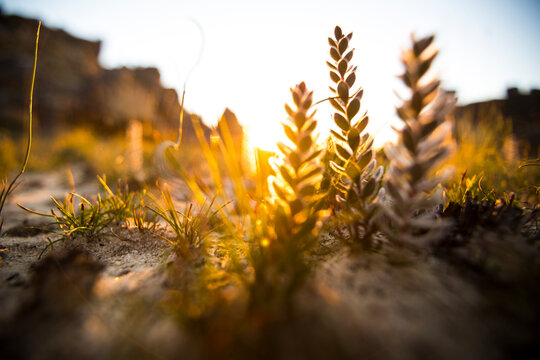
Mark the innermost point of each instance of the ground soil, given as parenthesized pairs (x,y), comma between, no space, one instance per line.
(100,298)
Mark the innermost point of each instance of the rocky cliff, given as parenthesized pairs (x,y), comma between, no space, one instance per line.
(72,88)
(522,109)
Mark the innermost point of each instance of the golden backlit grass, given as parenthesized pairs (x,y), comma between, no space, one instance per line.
(487,151)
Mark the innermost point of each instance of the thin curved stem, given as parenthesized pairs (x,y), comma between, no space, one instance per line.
(7,191)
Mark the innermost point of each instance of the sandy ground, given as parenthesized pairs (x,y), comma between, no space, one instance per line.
(100,298)
(35,190)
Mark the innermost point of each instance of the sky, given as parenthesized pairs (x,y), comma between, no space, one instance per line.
(245,55)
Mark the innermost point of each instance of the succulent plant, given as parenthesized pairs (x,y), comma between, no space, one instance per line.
(356,175)
(410,183)
(290,228)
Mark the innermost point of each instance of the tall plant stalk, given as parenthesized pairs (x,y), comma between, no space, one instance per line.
(411,183)
(7,188)
(294,217)
(356,179)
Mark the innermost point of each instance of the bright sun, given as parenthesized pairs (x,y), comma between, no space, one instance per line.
(266,134)
(265,137)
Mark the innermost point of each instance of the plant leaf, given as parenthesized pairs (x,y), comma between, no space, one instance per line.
(334,54)
(331,66)
(353,108)
(287,176)
(351,79)
(407,138)
(365,159)
(369,188)
(420,45)
(334,76)
(342,67)
(341,122)
(295,160)
(337,168)
(299,119)
(343,91)
(349,55)
(311,173)
(307,190)
(343,45)
(353,139)
(279,192)
(331,42)
(289,111)
(341,151)
(337,106)
(305,143)
(338,33)
(338,135)
(361,125)
(289,132)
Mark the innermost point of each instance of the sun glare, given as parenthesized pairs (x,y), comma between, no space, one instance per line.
(265,137)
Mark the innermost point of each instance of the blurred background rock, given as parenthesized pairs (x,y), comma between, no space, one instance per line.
(72,88)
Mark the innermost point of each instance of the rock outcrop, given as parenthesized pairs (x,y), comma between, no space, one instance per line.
(120,95)
(230,122)
(72,88)
(523,110)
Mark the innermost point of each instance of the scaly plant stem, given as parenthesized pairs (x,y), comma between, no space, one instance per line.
(6,192)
